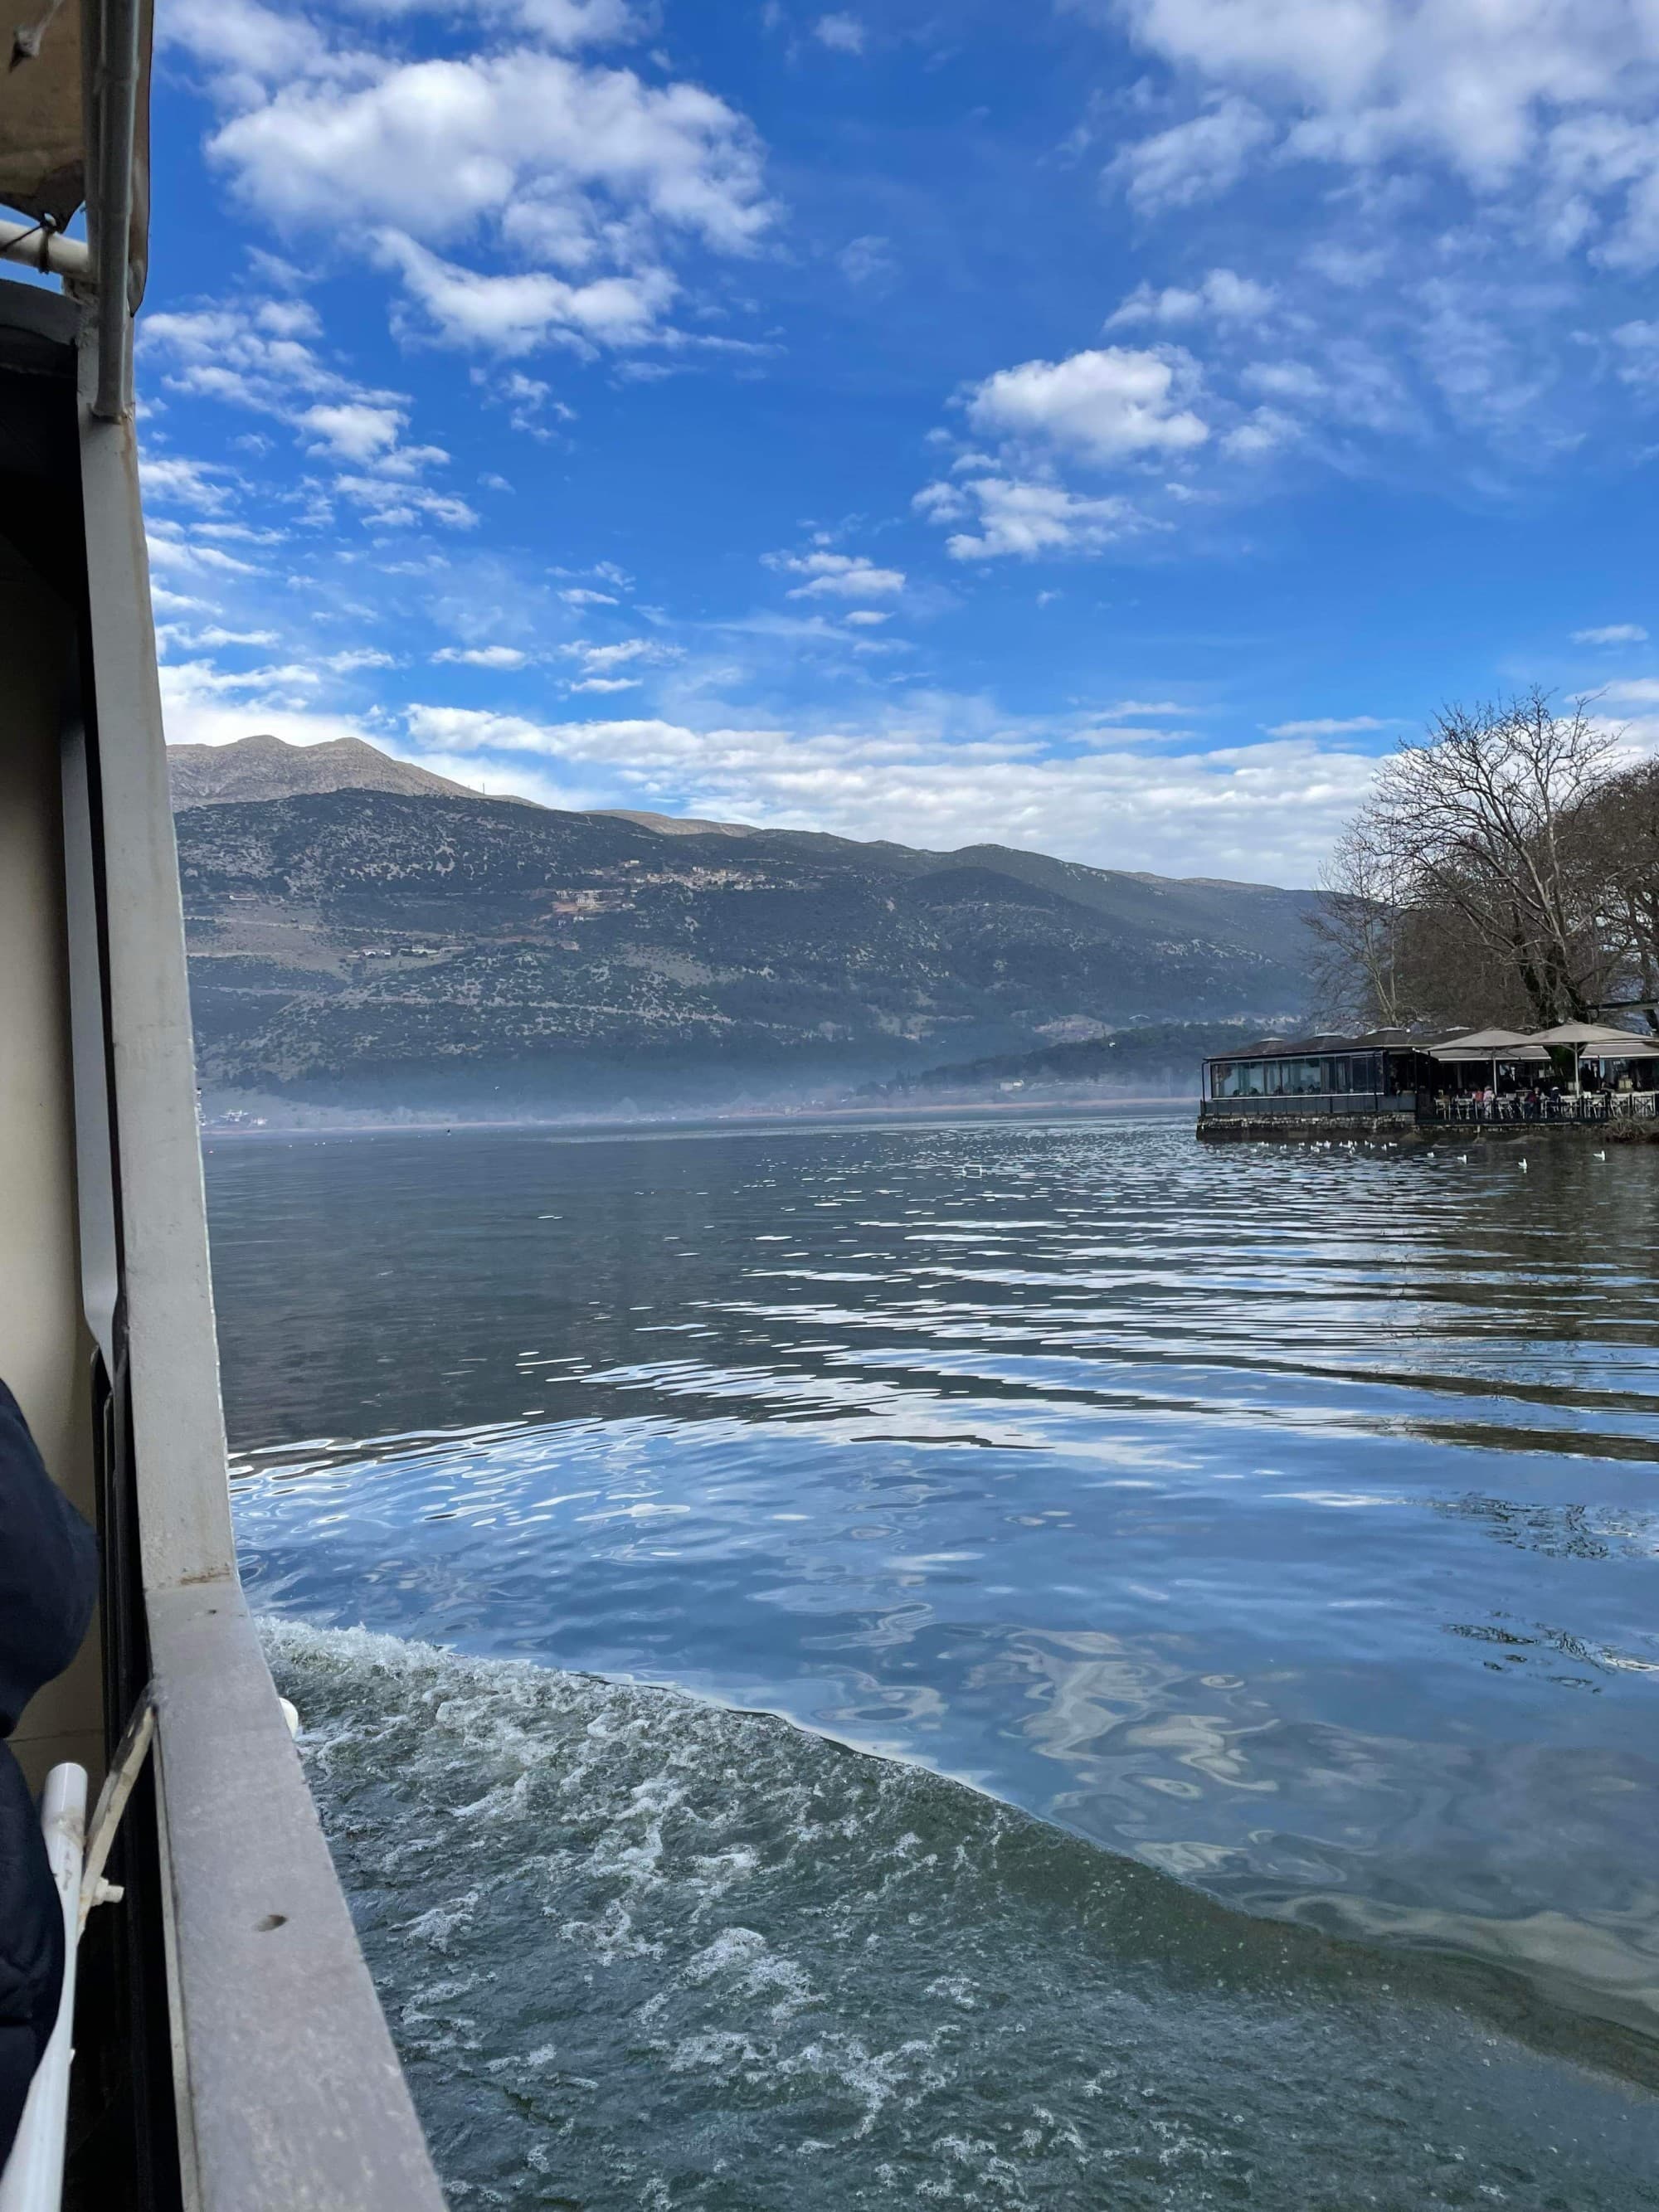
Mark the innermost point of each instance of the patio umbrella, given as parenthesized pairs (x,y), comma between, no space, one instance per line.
(1476,1045)
(1578,1035)
(1632,1048)
(1491,1045)
(1583,1033)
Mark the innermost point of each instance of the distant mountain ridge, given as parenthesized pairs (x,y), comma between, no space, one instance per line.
(433,947)
(676,825)
(265,767)
(1152,1059)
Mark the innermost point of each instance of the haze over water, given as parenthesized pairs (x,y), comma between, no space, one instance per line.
(1271,1523)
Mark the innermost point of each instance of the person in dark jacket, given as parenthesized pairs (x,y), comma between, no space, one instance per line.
(48,1586)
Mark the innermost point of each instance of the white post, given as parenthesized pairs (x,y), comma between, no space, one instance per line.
(33,2179)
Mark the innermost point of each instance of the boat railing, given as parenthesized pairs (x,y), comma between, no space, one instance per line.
(287,2087)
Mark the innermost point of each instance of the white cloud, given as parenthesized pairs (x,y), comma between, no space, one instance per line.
(1024,517)
(946,772)
(172,479)
(1641,691)
(569,22)
(838,576)
(867,618)
(185,557)
(356,430)
(588,180)
(1469,78)
(390,503)
(240,42)
(524,135)
(1222,296)
(242,533)
(1326,727)
(1611,633)
(516,314)
(228,353)
(360,656)
(1193,160)
(290,319)
(1552,98)
(213,636)
(1352,267)
(197,709)
(293,675)
(868,261)
(599,665)
(843,34)
(1107,408)
(578,596)
(483,656)
(232,355)
(1112,404)
(1262,433)
(612,656)
(1285,380)
(1638,352)
(528,401)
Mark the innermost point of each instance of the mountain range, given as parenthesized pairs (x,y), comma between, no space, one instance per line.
(1147,1060)
(268,768)
(365,934)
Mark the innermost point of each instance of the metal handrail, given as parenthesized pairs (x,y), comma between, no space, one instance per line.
(1594,1107)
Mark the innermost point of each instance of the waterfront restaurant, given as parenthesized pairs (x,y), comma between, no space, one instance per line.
(1400,1079)
(1383,1076)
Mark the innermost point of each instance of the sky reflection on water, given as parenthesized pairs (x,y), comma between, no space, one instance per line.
(1284,1520)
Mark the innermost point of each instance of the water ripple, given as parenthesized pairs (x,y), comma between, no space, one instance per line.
(1282,1521)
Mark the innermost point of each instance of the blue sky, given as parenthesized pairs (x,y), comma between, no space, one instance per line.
(1100,425)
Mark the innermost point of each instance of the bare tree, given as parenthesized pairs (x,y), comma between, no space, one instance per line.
(1357,927)
(1481,824)
(1448,974)
(1618,828)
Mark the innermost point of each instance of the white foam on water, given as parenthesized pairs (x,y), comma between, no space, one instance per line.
(642,1950)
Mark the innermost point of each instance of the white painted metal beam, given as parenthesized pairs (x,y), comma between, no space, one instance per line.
(48,250)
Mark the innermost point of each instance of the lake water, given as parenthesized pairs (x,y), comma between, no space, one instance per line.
(1232,1570)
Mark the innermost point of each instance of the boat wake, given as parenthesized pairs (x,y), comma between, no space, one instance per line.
(639,1950)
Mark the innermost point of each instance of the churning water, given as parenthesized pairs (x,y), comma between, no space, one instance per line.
(1268,1537)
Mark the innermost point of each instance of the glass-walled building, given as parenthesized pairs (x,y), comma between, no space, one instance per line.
(1382,1074)
(1398,1079)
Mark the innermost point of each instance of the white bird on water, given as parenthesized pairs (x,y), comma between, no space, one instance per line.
(1598,1156)
(1521,1165)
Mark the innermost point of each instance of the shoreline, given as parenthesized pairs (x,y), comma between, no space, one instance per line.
(775,1120)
